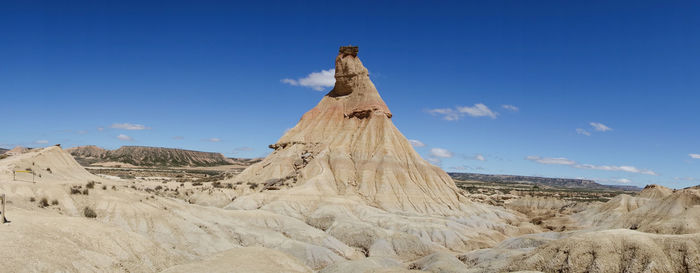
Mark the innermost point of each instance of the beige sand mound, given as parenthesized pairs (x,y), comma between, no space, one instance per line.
(41,242)
(655,192)
(615,251)
(18,150)
(244,260)
(675,213)
(50,164)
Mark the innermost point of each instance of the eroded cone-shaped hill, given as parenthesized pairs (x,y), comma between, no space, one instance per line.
(347,145)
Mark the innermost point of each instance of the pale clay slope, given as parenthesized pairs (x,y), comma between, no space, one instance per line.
(656,209)
(166,232)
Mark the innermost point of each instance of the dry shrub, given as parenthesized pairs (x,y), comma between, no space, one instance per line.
(89,213)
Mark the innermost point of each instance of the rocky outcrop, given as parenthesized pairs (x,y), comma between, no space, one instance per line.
(348,146)
(89,151)
(17,151)
(149,156)
(656,209)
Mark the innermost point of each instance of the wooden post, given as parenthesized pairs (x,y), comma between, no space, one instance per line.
(13,176)
(4,219)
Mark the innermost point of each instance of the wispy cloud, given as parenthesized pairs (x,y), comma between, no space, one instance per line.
(629,169)
(178,137)
(551,160)
(437,154)
(316,80)
(478,110)
(572,163)
(600,127)
(125,137)
(510,107)
(213,139)
(583,132)
(480,157)
(416,143)
(42,141)
(441,153)
(467,168)
(694,156)
(611,180)
(686,179)
(129,126)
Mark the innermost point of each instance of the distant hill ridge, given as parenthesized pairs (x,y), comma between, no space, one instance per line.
(148,156)
(553,182)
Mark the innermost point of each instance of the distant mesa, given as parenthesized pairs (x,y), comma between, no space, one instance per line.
(149,156)
(571,183)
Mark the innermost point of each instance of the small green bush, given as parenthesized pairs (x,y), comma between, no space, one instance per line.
(32,199)
(54,202)
(86,192)
(90,185)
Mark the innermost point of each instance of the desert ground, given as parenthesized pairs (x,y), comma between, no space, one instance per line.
(342,191)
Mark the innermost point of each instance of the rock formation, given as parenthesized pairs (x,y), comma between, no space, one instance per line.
(148,156)
(656,209)
(89,151)
(348,146)
(17,151)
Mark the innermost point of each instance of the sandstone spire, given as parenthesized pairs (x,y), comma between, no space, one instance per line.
(347,145)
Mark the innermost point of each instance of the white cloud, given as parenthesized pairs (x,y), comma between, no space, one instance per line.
(568,162)
(448,113)
(42,141)
(612,180)
(128,126)
(100,129)
(583,132)
(213,139)
(686,179)
(480,157)
(629,169)
(416,143)
(510,107)
(467,168)
(440,152)
(124,137)
(623,180)
(694,156)
(316,80)
(478,110)
(551,160)
(434,160)
(600,127)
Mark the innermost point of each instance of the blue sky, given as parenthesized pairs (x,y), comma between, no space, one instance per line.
(606,90)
